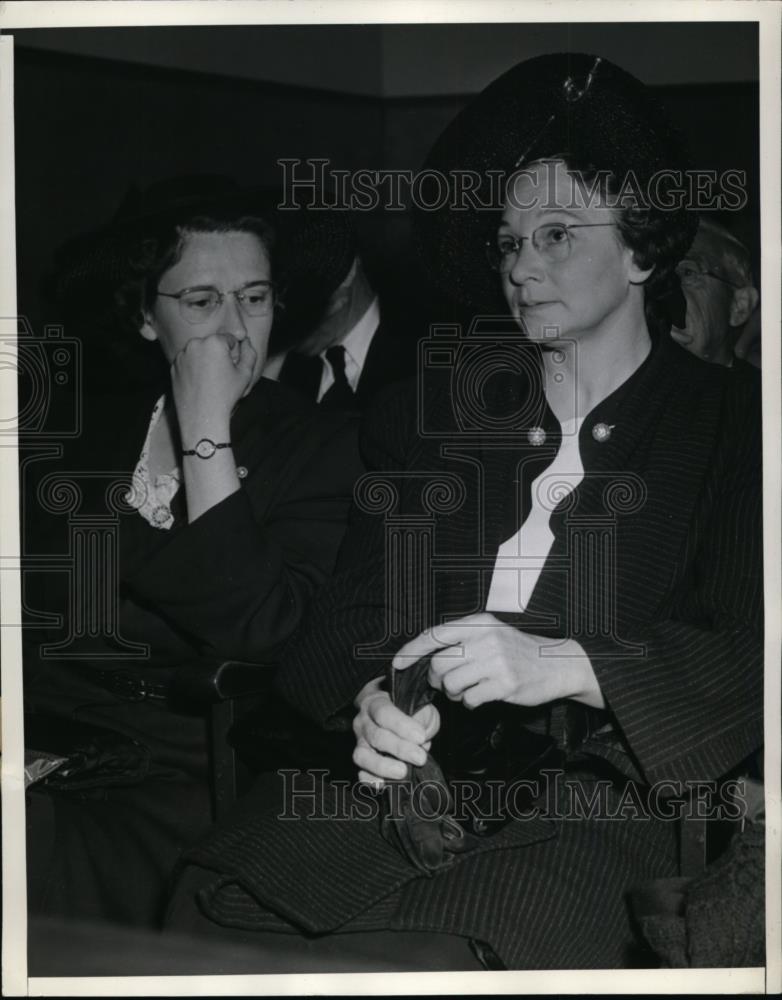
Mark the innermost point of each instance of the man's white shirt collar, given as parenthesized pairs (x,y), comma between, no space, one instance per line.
(356,344)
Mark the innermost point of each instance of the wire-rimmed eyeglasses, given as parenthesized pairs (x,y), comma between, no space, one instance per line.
(197,304)
(691,275)
(552,241)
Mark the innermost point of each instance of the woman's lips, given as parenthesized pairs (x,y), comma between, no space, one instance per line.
(527,310)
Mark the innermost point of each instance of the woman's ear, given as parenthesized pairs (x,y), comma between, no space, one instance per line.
(637,275)
(147,328)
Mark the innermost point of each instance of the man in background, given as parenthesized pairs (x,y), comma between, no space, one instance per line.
(343,346)
(716,279)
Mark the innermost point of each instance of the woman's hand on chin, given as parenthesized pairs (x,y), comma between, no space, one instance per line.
(208,378)
(478,659)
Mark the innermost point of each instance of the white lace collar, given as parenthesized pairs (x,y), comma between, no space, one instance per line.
(152,499)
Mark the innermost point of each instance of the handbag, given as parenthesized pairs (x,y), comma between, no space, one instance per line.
(712,915)
(91,757)
(713,920)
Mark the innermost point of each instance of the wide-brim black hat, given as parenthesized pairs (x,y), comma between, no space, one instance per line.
(313,250)
(573,105)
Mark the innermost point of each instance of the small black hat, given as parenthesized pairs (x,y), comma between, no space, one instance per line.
(574,105)
(313,251)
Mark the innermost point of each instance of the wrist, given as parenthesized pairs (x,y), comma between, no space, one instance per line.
(205,448)
(202,426)
(584,686)
(195,423)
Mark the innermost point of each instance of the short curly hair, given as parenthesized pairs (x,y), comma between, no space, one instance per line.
(157,249)
(658,238)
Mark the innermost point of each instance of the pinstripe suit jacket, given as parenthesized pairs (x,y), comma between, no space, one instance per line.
(671,623)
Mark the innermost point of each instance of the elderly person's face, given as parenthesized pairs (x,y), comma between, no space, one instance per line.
(215,262)
(718,301)
(563,283)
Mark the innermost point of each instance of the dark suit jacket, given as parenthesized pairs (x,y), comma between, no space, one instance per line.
(235,582)
(391,358)
(671,623)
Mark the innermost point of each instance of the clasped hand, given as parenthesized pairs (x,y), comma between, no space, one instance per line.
(475,660)
(387,739)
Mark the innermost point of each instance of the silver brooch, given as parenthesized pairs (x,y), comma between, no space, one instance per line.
(602,432)
(572,94)
(536,436)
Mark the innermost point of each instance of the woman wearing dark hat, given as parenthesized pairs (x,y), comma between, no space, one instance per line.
(580,641)
(226,500)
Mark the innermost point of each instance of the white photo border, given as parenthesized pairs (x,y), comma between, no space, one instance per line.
(208,12)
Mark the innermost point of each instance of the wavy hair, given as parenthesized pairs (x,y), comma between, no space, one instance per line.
(154,252)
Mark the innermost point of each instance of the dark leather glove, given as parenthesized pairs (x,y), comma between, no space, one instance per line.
(418,815)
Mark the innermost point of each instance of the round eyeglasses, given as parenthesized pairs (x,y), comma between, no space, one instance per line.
(197,304)
(691,275)
(552,241)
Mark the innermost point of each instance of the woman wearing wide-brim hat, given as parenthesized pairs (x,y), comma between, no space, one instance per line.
(222,498)
(592,495)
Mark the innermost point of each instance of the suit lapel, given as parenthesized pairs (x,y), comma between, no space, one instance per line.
(641,488)
(303,374)
(638,495)
(489,464)
(386,362)
(374,371)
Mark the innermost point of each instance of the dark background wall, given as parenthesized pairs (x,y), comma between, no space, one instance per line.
(414,60)
(99,109)
(87,129)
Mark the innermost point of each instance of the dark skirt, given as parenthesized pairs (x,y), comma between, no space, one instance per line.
(542,897)
(106,852)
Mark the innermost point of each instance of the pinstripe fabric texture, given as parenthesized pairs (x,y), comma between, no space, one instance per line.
(676,497)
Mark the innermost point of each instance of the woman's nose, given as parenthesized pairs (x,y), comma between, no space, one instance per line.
(232,318)
(527,264)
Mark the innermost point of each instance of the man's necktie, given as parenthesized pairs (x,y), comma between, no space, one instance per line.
(339,396)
